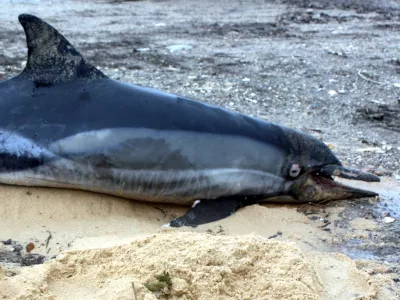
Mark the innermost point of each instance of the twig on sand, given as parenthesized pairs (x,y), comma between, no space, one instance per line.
(48,238)
(134,290)
(361,75)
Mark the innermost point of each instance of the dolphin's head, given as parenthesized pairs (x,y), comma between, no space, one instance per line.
(310,170)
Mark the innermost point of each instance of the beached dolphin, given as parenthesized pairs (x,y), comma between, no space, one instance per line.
(63,123)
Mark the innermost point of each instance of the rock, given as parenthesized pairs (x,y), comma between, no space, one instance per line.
(338,53)
(332,93)
(387,147)
(176,48)
(7,242)
(30,247)
(142,50)
(179,287)
(388,220)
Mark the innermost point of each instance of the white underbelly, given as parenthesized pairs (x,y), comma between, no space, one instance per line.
(169,186)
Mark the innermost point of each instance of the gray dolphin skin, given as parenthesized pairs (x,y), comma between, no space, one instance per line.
(65,124)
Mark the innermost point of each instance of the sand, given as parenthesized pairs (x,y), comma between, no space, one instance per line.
(201,266)
(103,244)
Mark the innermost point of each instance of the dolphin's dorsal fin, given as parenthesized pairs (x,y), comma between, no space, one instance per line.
(51,58)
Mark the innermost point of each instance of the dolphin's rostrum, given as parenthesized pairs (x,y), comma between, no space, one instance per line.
(63,123)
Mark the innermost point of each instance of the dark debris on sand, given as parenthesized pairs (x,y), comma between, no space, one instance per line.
(13,252)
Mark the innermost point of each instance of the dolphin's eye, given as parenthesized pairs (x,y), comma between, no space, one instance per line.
(295,170)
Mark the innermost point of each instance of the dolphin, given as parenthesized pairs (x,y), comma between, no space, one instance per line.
(65,124)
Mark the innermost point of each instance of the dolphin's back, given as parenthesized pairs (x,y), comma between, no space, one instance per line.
(55,112)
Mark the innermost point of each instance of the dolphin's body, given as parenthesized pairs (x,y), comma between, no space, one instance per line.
(63,123)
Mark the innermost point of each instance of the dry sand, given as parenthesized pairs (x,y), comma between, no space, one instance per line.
(113,242)
(202,266)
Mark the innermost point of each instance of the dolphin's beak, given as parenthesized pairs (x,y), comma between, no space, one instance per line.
(320,186)
(340,171)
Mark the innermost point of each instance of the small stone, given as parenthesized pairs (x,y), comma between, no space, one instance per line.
(246,79)
(332,93)
(142,49)
(176,48)
(388,220)
(7,242)
(331,146)
(179,287)
(396,85)
(387,147)
(30,247)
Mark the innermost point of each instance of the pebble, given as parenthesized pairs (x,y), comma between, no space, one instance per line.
(388,220)
(179,287)
(332,93)
(181,47)
(387,147)
(142,49)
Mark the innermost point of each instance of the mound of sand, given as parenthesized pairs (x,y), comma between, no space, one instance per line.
(201,266)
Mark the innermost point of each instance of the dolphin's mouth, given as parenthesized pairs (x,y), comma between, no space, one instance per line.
(320,186)
(347,173)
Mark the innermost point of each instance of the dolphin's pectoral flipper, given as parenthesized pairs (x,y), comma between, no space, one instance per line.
(206,211)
